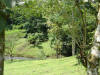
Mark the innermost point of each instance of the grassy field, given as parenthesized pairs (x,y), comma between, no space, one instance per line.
(63,66)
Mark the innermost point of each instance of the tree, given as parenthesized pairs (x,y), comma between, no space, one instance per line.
(93,63)
(32,21)
(57,12)
(92,60)
(10,49)
(3,17)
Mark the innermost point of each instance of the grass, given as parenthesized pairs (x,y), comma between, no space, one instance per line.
(63,66)
(23,48)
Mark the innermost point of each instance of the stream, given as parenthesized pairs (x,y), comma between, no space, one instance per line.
(19,58)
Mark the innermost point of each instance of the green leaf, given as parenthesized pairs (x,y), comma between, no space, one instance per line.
(7,3)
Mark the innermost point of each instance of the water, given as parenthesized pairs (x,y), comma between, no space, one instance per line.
(19,58)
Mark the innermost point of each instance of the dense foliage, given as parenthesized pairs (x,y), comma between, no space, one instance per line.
(56,21)
(32,21)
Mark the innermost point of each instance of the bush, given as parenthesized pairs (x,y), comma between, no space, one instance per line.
(35,38)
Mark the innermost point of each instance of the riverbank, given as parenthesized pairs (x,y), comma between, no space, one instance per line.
(19,58)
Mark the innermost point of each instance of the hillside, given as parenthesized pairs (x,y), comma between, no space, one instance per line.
(22,48)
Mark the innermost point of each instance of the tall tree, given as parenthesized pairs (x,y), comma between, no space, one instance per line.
(73,38)
(93,64)
(92,59)
(4,4)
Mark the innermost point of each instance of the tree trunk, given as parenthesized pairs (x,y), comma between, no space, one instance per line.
(2,46)
(57,53)
(92,71)
(93,61)
(73,46)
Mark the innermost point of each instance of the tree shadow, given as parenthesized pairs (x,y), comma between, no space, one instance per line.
(76,64)
(40,47)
